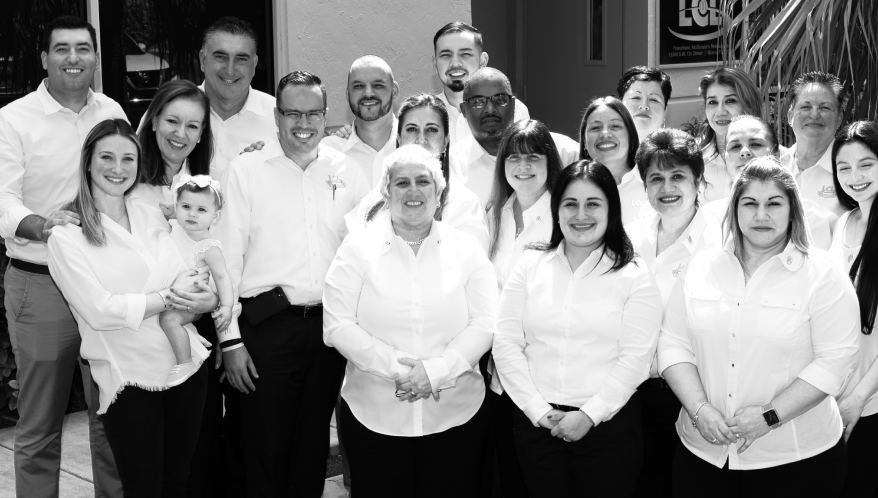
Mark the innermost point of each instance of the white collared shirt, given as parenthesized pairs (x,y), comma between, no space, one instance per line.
(462,211)
(632,196)
(382,302)
(371,160)
(475,167)
(716,175)
(253,123)
(797,317)
(40,144)
(458,128)
(537,228)
(579,338)
(844,255)
(815,183)
(281,225)
(154,195)
(106,290)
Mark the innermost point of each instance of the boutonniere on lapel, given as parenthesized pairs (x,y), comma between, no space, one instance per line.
(334,183)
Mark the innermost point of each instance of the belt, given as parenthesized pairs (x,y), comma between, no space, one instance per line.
(310,311)
(29,267)
(657,383)
(564,408)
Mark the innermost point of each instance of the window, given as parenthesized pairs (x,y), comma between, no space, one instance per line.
(595,22)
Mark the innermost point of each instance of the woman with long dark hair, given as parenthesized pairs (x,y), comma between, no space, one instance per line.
(855,248)
(576,332)
(175,138)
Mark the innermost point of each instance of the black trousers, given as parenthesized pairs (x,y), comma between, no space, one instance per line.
(660,409)
(821,476)
(217,468)
(286,419)
(442,465)
(153,436)
(606,462)
(862,478)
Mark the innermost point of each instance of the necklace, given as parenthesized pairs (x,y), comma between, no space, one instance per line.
(417,242)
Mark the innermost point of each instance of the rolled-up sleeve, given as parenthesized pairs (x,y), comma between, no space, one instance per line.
(835,325)
(100,309)
(341,296)
(12,208)
(641,320)
(673,344)
(510,342)
(465,350)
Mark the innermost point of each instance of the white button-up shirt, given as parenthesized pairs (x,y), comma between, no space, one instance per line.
(458,128)
(282,225)
(844,256)
(632,196)
(106,289)
(40,145)
(537,228)
(715,174)
(797,317)
(253,123)
(383,302)
(579,338)
(475,167)
(815,183)
(371,160)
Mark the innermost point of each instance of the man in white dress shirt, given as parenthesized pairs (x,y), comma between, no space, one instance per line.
(239,115)
(815,115)
(41,136)
(474,158)
(282,226)
(371,92)
(457,54)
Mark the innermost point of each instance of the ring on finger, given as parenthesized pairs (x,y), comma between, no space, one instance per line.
(565,439)
(713,440)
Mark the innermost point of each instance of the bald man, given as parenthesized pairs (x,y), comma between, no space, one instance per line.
(473,158)
(371,92)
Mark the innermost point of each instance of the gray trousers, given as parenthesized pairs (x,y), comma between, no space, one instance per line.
(45,342)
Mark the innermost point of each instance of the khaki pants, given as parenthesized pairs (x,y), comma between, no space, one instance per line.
(45,342)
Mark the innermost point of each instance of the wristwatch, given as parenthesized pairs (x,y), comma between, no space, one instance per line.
(770,416)
(168,305)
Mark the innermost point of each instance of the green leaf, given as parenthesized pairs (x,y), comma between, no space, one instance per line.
(13,404)
(14,384)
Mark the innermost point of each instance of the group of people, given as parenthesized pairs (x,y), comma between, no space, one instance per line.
(489,308)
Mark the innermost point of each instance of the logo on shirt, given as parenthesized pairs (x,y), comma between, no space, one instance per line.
(676,273)
(826,192)
(334,183)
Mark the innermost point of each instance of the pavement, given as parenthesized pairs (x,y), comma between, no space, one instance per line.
(76,476)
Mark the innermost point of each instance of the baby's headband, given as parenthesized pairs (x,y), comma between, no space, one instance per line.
(199,181)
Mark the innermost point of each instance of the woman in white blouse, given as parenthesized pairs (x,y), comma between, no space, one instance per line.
(758,337)
(576,332)
(410,302)
(672,169)
(116,271)
(645,91)
(855,248)
(607,135)
(423,120)
(175,138)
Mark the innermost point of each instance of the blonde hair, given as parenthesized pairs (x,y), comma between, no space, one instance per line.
(411,154)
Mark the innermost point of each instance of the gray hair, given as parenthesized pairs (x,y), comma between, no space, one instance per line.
(411,154)
(767,169)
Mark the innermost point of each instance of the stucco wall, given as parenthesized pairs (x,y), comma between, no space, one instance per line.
(326,36)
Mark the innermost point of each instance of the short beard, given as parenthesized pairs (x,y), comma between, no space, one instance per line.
(455,86)
(382,111)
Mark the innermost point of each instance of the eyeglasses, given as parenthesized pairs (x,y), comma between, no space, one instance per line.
(499,100)
(312,116)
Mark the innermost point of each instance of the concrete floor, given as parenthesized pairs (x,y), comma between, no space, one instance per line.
(76,477)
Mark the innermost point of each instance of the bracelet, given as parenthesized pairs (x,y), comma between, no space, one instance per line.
(165,302)
(695,417)
(229,343)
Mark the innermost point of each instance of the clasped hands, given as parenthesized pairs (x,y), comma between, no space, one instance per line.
(569,426)
(414,385)
(748,425)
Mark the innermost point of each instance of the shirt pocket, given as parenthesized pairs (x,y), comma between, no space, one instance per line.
(779,315)
(703,307)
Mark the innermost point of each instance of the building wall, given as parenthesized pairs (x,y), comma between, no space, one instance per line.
(326,36)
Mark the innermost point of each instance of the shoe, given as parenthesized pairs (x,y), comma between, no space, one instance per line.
(179,373)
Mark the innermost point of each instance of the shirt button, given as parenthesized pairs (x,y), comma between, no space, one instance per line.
(790,260)
(733,365)
(538,218)
(689,238)
(730,395)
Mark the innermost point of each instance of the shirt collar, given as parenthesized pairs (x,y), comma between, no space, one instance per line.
(355,139)
(633,175)
(51,106)
(824,162)
(791,258)
(389,235)
(250,105)
(476,151)
(689,238)
(590,262)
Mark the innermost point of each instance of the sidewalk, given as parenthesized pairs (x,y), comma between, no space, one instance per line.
(76,477)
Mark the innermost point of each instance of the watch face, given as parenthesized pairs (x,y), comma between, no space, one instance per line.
(771,417)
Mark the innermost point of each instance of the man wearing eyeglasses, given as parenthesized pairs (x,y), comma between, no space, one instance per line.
(283,224)
(488,107)
(371,92)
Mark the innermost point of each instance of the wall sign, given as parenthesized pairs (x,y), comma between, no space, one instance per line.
(689,32)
